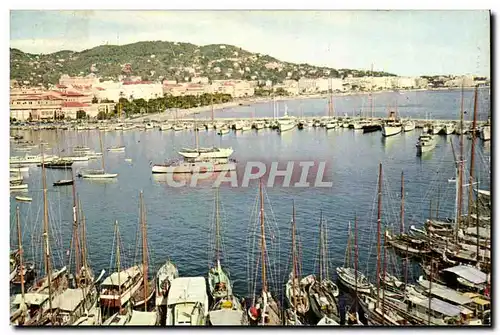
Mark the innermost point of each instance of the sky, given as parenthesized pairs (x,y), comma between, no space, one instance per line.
(407,43)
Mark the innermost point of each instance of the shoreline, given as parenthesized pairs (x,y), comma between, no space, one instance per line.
(182,113)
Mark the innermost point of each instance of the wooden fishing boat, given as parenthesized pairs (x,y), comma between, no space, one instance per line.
(296,294)
(265,310)
(323,302)
(219,283)
(146,290)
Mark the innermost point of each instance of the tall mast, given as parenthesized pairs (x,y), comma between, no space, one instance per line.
(212,103)
(460,167)
(472,154)
(144,252)
(263,239)
(196,132)
(294,258)
(379,222)
(356,261)
(325,248)
(321,256)
(102,151)
(477,229)
(83,240)
(21,251)
(117,232)
(46,233)
(76,240)
(217,229)
(371,93)
(383,276)
(402,230)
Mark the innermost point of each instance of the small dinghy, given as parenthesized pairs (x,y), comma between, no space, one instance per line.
(24,199)
(63,182)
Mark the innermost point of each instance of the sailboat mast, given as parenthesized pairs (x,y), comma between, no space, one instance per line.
(263,239)
(379,223)
(384,276)
(144,252)
(402,230)
(76,240)
(321,256)
(472,156)
(212,103)
(294,259)
(46,232)
(20,244)
(117,232)
(356,260)
(460,166)
(196,132)
(371,93)
(102,158)
(217,229)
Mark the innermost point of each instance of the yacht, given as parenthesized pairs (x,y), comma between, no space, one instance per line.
(119,287)
(436,129)
(286,123)
(206,152)
(31,159)
(426,142)
(449,128)
(409,125)
(392,126)
(187,302)
(195,165)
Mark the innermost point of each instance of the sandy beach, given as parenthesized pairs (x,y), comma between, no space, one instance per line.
(183,113)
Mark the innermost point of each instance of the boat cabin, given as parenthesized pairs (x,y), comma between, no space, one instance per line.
(187,302)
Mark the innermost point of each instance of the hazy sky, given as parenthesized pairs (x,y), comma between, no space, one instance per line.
(402,42)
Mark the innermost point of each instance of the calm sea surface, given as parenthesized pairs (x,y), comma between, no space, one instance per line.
(180,219)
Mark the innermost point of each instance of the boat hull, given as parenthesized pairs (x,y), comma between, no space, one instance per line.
(189,168)
(391,130)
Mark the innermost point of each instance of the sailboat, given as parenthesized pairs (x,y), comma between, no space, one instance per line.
(286,122)
(120,286)
(323,292)
(40,297)
(25,274)
(203,153)
(80,299)
(98,174)
(164,277)
(265,310)
(350,277)
(147,288)
(219,282)
(296,295)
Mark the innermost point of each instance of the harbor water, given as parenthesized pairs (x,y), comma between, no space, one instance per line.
(179,219)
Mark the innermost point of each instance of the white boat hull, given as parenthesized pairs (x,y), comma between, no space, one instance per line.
(19,187)
(409,126)
(100,176)
(220,153)
(189,168)
(485,133)
(391,130)
(286,127)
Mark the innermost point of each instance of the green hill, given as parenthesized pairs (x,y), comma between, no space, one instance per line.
(154,60)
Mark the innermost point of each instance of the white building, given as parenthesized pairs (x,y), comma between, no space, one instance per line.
(129,90)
